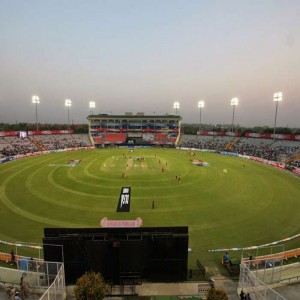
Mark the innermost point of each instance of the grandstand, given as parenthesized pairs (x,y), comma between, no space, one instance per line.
(139,129)
(284,151)
(11,144)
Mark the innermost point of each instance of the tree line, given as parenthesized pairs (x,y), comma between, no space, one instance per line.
(186,128)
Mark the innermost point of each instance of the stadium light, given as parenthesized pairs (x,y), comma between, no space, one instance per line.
(176,106)
(36,101)
(201,105)
(276,98)
(68,104)
(92,105)
(234,102)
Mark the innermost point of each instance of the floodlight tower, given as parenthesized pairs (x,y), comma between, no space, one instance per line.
(234,102)
(176,106)
(36,101)
(92,105)
(68,104)
(276,98)
(201,105)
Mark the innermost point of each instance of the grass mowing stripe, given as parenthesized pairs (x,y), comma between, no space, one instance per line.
(247,205)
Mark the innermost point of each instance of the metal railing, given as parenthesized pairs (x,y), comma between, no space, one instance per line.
(57,289)
(258,290)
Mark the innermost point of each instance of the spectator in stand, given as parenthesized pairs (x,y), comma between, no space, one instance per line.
(245,146)
(23,286)
(226,258)
(12,257)
(247,297)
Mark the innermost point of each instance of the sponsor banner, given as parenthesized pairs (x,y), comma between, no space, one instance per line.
(289,137)
(283,136)
(200,163)
(7,159)
(244,156)
(105,223)
(195,149)
(233,134)
(206,132)
(295,171)
(31,154)
(229,153)
(9,133)
(70,163)
(252,135)
(258,135)
(268,162)
(35,132)
(124,200)
(256,247)
(74,162)
(20,245)
(218,133)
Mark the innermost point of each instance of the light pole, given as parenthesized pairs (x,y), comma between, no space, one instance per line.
(176,106)
(36,101)
(201,105)
(92,105)
(276,98)
(68,104)
(234,102)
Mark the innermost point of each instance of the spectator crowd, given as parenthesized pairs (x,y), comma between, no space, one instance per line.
(11,146)
(272,150)
(277,150)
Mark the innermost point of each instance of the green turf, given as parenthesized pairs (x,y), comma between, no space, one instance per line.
(249,205)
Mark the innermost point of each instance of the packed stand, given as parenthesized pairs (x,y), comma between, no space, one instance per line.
(16,146)
(11,146)
(262,148)
(272,150)
(205,142)
(295,164)
(65,141)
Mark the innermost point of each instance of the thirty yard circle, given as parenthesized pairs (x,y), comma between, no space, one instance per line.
(231,202)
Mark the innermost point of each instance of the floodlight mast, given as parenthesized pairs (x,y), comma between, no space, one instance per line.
(276,98)
(176,106)
(234,102)
(68,104)
(36,101)
(92,105)
(201,105)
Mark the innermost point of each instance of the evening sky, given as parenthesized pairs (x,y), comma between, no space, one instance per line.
(141,56)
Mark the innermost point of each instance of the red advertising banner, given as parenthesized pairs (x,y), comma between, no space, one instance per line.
(35,132)
(9,133)
(268,162)
(218,133)
(297,172)
(288,137)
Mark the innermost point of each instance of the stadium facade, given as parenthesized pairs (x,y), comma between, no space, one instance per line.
(138,129)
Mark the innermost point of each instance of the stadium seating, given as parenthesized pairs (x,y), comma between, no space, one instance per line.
(10,146)
(262,148)
(97,140)
(160,138)
(114,138)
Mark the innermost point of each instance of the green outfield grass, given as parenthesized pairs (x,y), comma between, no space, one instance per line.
(250,204)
